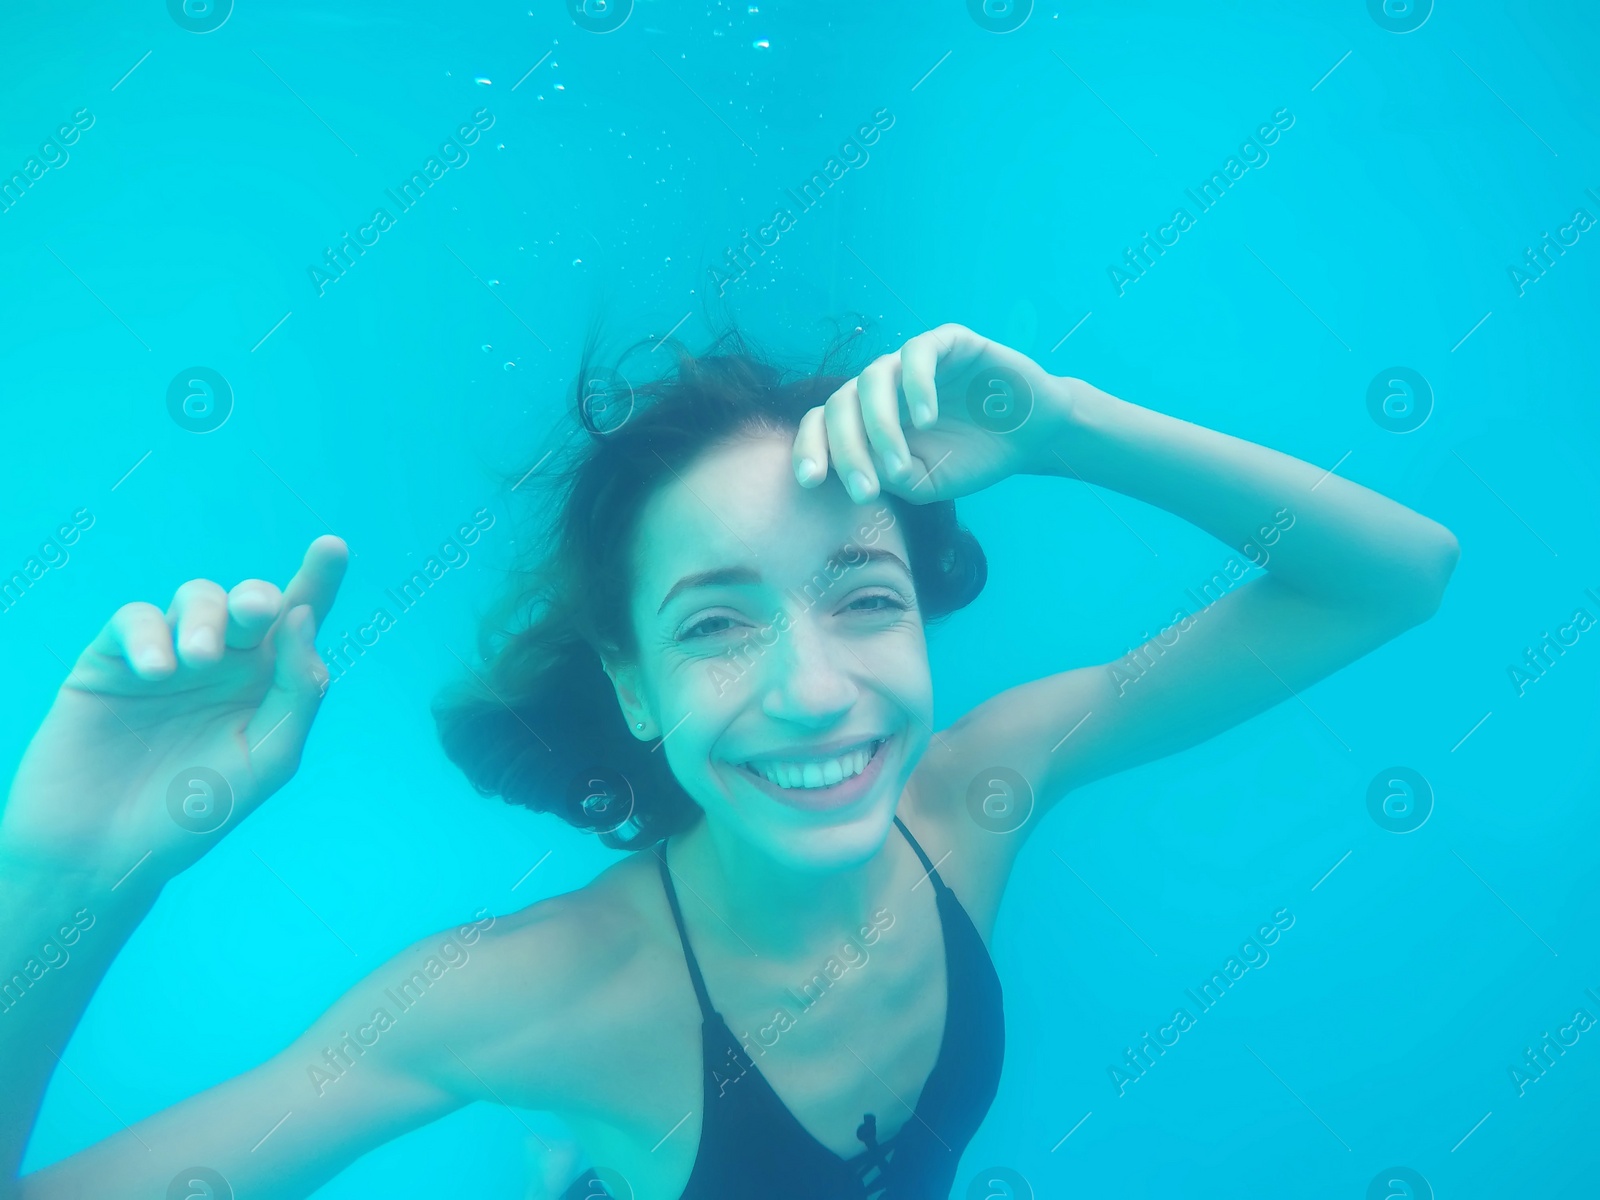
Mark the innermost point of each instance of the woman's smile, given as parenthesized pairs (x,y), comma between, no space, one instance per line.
(819,782)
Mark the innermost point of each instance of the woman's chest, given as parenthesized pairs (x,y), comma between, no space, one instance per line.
(802,1053)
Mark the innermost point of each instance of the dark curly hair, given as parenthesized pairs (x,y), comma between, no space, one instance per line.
(539,724)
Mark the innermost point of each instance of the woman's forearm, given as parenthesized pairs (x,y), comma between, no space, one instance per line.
(1319,534)
(60,930)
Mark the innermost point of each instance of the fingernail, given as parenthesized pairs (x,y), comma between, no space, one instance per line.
(860,485)
(891,463)
(806,469)
(922,414)
(203,642)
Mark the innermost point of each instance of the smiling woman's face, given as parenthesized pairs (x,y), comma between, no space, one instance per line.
(781,654)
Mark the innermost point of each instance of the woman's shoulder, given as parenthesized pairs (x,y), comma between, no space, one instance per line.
(554,994)
(938,808)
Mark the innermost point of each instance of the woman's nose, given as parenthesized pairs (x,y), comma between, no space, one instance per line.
(809,677)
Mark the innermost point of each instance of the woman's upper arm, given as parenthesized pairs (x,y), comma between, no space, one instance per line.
(375,1065)
(1014,756)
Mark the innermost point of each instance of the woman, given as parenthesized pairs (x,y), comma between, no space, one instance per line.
(723,663)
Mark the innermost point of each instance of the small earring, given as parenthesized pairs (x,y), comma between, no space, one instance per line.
(638,724)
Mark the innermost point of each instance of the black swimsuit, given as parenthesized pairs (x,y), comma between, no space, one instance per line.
(753,1148)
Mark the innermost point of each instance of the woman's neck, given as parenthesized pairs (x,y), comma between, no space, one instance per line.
(764,907)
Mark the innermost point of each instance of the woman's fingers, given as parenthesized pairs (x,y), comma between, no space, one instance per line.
(199,619)
(139,635)
(207,620)
(879,392)
(863,419)
(204,620)
(276,734)
(861,427)
(847,442)
(919,360)
(317,581)
(252,608)
(810,451)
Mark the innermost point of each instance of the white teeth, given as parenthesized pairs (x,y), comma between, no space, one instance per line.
(816,774)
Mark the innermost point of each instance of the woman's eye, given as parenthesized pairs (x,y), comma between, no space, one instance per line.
(707,626)
(877,602)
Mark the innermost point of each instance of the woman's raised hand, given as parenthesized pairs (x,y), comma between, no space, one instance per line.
(946,415)
(173,726)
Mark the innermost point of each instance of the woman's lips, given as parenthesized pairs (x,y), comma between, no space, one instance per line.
(822,799)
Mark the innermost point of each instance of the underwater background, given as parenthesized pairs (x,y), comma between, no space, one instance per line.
(214,348)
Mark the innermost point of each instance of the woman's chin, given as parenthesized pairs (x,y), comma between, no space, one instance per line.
(836,841)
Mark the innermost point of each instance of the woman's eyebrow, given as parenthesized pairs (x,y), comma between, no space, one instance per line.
(736,576)
(717,577)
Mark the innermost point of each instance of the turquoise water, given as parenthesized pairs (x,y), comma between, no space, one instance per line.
(1388,227)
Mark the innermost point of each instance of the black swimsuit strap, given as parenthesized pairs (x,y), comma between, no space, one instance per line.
(927,863)
(708,1010)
